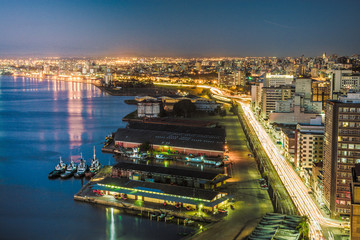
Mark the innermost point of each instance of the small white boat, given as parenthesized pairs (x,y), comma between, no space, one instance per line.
(59,168)
(70,170)
(94,167)
(81,169)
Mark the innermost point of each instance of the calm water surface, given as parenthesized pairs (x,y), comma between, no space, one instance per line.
(41,120)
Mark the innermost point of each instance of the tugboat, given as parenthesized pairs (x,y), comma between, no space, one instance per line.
(94,167)
(59,169)
(81,169)
(70,170)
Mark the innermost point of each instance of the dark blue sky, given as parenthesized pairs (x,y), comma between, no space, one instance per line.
(178,28)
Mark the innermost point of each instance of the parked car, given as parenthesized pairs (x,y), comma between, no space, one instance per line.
(222,211)
(159,156)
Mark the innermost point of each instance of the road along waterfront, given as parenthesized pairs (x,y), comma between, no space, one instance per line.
(292,182)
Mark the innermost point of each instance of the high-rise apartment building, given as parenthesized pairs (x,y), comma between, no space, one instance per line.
(345,81)
(256,93)
(278,80)
(320,91)
(236,78)
(270,95)
(341,151)
(303,87)
(309,147)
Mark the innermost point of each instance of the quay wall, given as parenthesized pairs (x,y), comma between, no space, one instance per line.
(140,209)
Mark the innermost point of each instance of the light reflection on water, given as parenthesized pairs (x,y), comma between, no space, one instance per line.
(41,120)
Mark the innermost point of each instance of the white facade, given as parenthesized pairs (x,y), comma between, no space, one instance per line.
(351,98)
(108,78)
(206,105)
(303,87)
(278,80)
(338,82)
(148,109)
(310,144)
(351,83)
(256,94)
(284,106)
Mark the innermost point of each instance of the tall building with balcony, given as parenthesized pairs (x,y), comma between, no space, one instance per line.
(256,93)
(271,95)
(278,80)
(345,81)
(236,78)
(341,151)
(320,91)
(309,147)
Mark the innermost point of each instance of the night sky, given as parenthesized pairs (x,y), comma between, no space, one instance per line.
(179,28)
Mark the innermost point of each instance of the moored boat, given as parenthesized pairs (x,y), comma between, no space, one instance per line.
(81,169)
(70,170)
(94,167)
(59,169)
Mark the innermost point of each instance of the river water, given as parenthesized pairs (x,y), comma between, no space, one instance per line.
(41,120)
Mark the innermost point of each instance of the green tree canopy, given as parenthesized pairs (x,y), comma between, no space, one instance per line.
(303,228)
(184,108)
(146,146)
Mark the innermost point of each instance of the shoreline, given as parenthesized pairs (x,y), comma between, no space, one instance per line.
(155,91)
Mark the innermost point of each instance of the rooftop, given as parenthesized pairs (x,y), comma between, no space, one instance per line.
(277,226)
(167,170)
(161,189)
(177,122)
(175,139)
(179,129)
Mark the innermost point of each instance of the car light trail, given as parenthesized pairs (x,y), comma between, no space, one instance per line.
(292,182)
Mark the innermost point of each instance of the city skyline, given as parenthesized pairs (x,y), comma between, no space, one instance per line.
(184,29)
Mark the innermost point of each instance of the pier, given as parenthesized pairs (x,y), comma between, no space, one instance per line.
(145,209)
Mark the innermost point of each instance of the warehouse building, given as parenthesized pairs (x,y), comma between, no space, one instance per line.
(164,194)
(182,142)
(182,177)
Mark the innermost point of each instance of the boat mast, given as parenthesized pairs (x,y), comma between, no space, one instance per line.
(94,153)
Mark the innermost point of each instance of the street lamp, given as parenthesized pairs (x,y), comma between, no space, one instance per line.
(200,208)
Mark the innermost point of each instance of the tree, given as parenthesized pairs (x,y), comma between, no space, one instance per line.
(303,228)
(146,146)
(222,113)
(184,108)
